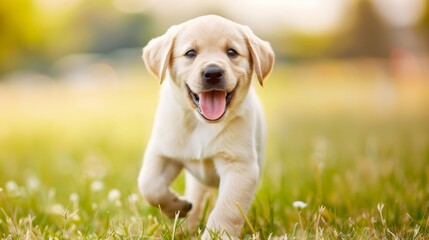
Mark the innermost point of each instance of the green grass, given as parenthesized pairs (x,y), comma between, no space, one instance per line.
(352,145)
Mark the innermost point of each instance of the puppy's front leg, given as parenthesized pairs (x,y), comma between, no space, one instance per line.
(195,193)
(155,177)
(238,181)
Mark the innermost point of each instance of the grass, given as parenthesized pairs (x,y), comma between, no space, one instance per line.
(348,139)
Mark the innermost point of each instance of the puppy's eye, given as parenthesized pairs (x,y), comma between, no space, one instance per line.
(231,53)
(191,54)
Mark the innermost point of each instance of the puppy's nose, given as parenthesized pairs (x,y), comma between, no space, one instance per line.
(212,74)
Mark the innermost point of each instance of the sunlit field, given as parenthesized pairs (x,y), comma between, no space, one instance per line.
(349,139)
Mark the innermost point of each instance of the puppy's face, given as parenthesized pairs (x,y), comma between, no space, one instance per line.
(211,63)
(211,60)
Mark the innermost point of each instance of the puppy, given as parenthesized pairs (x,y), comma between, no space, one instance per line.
(208,122)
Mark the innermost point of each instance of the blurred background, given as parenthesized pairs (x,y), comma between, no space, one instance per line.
(71,72)
(80,41)
(347,109)
(346,104)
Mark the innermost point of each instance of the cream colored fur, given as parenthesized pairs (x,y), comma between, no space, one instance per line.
(225,153)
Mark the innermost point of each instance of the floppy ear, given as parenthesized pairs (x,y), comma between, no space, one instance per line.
(157,53)
(262,55)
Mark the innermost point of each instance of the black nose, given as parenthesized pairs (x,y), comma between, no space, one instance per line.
(212,74)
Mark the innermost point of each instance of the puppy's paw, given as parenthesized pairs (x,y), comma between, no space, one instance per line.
(177,205)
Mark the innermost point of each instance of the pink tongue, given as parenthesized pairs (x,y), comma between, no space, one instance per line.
(212,104)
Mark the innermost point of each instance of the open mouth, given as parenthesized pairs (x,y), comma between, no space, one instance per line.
(212,104)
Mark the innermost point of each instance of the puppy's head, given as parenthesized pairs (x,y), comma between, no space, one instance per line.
(211,60)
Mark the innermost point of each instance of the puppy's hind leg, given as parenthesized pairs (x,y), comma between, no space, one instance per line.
(154,180)
(196,193)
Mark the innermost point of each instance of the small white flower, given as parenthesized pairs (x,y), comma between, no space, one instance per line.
(94,206)
(97,186)
(11,186)
(57,209)
(1,189)
(94,166)
(299,204)
(74,197)
(114,195)
(33,183)
(75,217)
(133,198)
(51,193)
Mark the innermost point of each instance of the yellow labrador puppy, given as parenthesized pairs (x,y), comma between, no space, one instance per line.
(208,121)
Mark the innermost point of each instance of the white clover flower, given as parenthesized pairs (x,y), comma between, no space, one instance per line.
(33,183)
(74,197)
(114,195)
(133,198)
(94,166)
(94,206)
(97,186)
(299,204)
(12,186)
(75,217)
(51,193)
(56,209)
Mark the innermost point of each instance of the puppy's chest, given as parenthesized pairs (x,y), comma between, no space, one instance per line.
(199,143)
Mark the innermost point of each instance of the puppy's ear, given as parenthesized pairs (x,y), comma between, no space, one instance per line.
(262,54)
(157,53)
